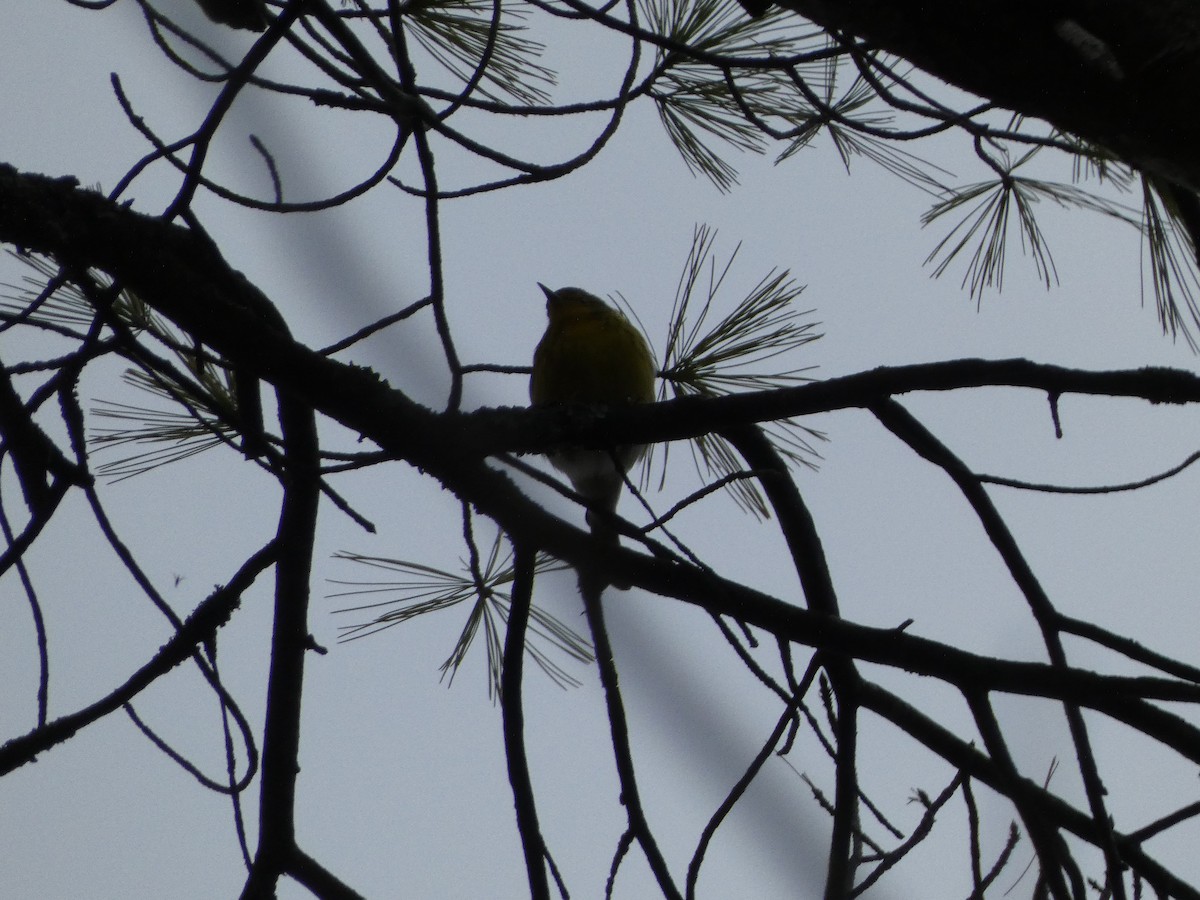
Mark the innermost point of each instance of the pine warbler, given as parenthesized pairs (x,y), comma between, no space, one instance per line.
(591,354)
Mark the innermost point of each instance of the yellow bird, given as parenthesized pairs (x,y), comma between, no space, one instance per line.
(591,354)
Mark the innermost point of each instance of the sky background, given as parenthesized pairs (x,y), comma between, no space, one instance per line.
(403,790)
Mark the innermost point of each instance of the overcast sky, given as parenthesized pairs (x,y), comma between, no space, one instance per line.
(403,790)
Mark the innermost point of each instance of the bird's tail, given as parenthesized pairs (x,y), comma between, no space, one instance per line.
(601,523)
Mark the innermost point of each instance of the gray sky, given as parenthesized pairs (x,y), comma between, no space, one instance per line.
(403,790)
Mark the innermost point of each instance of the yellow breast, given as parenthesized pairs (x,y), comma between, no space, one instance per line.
(590,353)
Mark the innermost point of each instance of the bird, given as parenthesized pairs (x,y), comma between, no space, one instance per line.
(592,355)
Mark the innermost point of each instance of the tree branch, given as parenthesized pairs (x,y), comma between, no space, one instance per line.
(1115,72)
(532,843)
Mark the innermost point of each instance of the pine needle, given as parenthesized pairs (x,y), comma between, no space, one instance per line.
(194,406)
(986,212)
(696,102)
(456,34)
(198,421)
(420,589)
(712,358)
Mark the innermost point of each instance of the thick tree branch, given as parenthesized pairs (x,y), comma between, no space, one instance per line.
(1119,73)
(494,430)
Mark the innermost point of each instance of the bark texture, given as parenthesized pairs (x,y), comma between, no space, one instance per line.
(1124,74)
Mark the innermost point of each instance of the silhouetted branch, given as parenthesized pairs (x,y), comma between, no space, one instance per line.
(591,587)
(199,627)
(290,641)
(532,842)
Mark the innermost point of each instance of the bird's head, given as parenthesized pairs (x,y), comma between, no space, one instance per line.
(570,303)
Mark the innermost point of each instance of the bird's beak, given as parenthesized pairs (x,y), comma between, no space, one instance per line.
(545,290)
